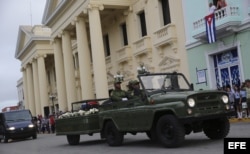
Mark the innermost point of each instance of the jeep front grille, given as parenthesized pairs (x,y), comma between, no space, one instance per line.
(207,103)
(206,97)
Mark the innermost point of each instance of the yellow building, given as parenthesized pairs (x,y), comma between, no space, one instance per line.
(84,43)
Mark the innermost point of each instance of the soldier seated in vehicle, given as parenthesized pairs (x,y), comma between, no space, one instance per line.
(118,94)
(130,88)
(137,92)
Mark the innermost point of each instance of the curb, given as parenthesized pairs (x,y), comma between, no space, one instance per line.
(234,120)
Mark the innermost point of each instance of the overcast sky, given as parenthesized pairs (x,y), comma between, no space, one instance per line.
(14,13)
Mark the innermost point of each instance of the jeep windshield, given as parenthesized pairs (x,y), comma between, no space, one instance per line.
(164,82)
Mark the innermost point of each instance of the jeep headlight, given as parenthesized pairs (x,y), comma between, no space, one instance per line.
(224,99)
(31,126)
(191,102)
(11,128)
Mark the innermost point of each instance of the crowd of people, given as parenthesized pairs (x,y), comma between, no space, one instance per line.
(45,124)
(239,97)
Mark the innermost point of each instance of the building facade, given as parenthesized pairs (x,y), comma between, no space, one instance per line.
(20,94)
(35,52)
(92,40)
(226,61)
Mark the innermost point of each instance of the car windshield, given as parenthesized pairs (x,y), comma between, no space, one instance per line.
(17,116)
(165,82)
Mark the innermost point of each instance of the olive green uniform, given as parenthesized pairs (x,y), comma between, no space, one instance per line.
(119,95)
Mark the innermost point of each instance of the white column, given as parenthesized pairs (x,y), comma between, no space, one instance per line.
(44,96)
(99,64)
(36,88)
(25,88)
(30,89)
(60,76)
(84,60)
(69,68)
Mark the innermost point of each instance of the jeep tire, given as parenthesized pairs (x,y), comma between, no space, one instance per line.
(113,136)
(217,128)
(169,131)
(73,139)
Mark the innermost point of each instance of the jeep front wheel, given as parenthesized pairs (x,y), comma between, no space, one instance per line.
(217,128)
(113,136)
(169,131)
(73,139)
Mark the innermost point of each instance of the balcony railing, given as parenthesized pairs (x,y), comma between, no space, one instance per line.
(226,19)
(123,54)
(142,46)
(165,35)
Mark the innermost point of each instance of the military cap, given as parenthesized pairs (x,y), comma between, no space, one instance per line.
(135,82)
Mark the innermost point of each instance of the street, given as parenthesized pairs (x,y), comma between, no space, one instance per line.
(139,144)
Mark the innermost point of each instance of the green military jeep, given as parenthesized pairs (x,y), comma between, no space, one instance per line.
(167,110)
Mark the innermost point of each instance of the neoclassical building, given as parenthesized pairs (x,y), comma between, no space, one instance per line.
(84,43)
(35,52)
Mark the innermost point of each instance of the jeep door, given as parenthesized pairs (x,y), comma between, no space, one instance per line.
(141,116)
(121,114)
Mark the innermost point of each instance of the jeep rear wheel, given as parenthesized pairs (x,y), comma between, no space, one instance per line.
(113,136)
(73,139)
(217,128)
(169,131)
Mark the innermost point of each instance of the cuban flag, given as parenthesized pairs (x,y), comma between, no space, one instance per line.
(210,28)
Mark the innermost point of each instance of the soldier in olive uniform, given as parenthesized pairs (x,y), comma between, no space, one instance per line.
(137,92)
(130,88)
(118,94)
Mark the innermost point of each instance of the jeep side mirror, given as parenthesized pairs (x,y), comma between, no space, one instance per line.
(192,86)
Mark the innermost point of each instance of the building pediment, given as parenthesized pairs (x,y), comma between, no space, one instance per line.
(24,34)
(27,35)
(53,8)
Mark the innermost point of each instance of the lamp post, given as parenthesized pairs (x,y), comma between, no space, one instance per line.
(52,97)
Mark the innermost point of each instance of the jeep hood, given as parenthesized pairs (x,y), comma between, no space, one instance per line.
(180,96)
